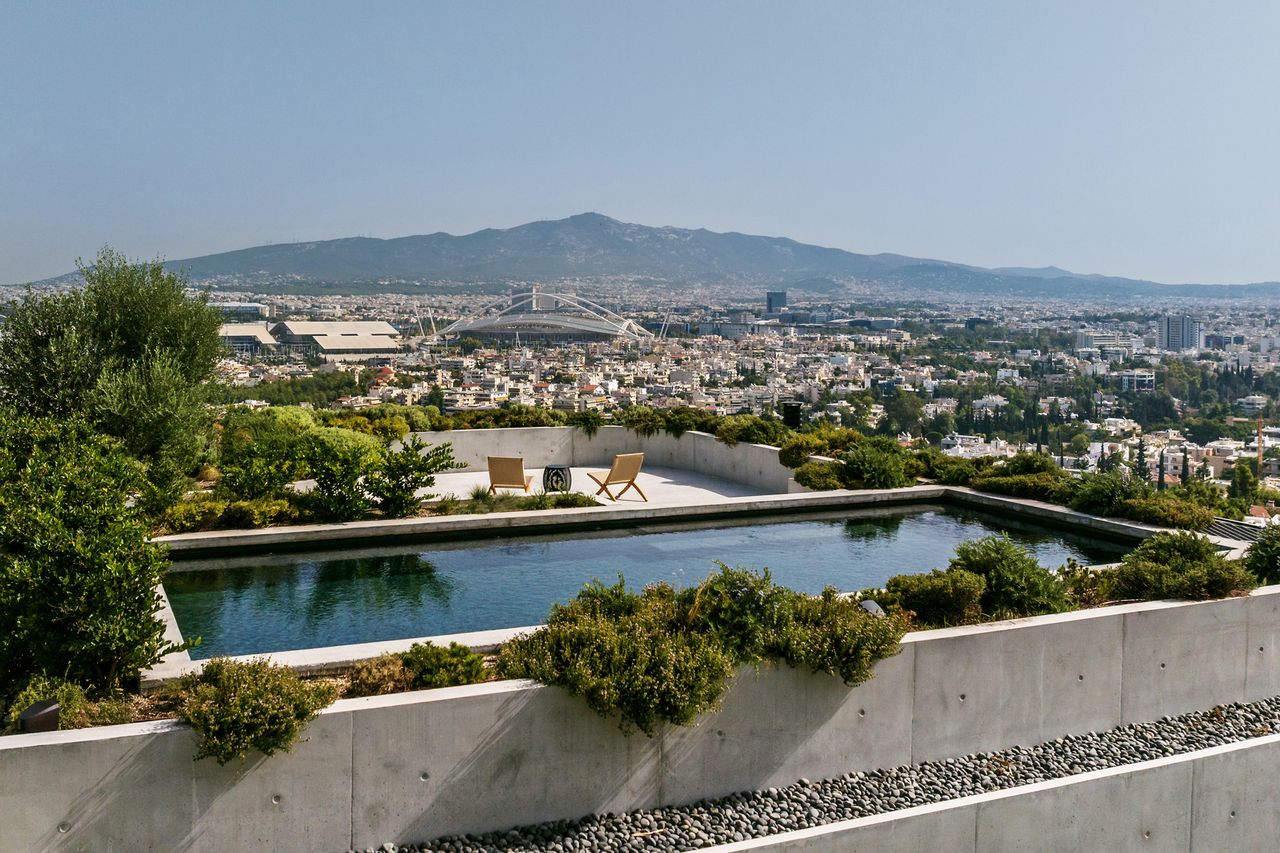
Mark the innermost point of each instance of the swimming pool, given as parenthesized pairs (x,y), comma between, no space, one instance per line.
(247,605)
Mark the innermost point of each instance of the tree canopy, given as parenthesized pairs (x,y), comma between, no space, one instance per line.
(131,352)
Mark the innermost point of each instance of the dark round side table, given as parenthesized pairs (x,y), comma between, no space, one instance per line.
(556,478)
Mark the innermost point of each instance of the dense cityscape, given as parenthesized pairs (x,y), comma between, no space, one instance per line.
(1192,391)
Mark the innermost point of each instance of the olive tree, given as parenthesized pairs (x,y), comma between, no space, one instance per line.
(132,352)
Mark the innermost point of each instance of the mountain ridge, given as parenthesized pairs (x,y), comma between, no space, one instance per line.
(592,245)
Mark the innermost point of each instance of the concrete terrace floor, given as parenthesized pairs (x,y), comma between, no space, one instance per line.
(663,486)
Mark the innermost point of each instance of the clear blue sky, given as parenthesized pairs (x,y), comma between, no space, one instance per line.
(1136,138)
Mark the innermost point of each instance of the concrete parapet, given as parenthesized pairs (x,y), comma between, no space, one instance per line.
(1209,800)
(754,465)
(419,765)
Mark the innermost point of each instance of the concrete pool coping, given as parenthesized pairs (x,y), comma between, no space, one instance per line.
(460,527)
(341,657)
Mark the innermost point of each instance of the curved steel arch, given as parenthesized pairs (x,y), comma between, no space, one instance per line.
(624,326)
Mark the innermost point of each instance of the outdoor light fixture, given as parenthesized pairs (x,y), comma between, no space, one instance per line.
(40,717)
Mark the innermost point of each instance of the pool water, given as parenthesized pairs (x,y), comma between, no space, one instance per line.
(258,604)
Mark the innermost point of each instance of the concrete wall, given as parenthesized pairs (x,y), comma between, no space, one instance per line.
(413,766)
(751,464)
(1210,800)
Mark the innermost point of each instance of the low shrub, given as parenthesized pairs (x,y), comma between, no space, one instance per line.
(819,476)
(1085,587)
(939,599)
(876,463)
(913,467)
(379,676)
(262,512)
(572,500)
(209,512)
(538,500)
(258,472)
(1023,464)
(73,705)
(1102,494)
(429,665)
(740,609)
(198,512)
(338,460)
(1045,486)
(588,420)
(1016,584)
(638,666)
(641,420)
(681,419)
(236,707)
(75,709)
(797,449)
(838,439)
(1166,512)
(831,633)
(1179,565)
(957,473)
(1263,557)
(750,429)
(665,656)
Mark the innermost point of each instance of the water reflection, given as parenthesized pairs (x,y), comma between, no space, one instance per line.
(258,604)
(872,529)
(376,585)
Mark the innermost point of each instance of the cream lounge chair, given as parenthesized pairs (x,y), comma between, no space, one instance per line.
(507,472)
(626,467)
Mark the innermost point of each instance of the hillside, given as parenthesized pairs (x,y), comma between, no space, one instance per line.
(591,245)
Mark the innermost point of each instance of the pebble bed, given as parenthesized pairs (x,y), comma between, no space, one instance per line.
(806,804)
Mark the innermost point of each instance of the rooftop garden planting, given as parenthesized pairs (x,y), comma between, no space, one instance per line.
(645,658)
(663,655)
(993,578)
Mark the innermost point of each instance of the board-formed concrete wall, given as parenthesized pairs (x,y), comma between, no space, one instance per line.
(408,767)
(755,465)
(1210,800)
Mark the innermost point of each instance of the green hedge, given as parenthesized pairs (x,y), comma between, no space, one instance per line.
(1166,512)
(665,656)
(819,476)
(209,512)
(1042,487)
(1016,584)
(940,599)
(1263,557)
(1179,565)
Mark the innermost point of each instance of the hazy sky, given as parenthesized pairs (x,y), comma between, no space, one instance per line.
(1134,138)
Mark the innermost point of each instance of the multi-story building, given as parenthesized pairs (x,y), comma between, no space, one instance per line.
(1178,332)
(1104,340)
(1139,380)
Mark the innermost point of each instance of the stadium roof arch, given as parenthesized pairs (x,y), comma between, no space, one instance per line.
(547,316)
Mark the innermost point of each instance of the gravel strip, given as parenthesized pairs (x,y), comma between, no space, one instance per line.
(806,804)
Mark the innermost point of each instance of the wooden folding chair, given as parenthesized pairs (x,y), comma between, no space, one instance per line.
(507,472)
(626,467)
